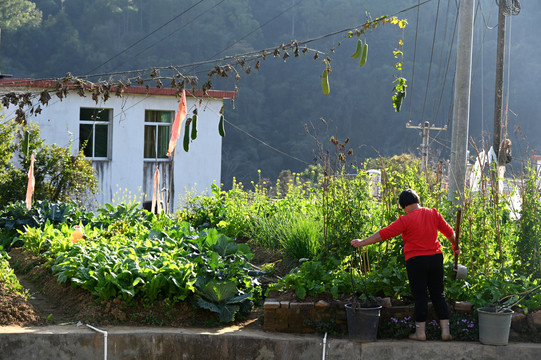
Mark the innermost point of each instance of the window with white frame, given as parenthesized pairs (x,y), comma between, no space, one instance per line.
(94,130)
(157,133)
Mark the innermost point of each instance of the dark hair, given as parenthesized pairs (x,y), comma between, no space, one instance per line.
(408,197)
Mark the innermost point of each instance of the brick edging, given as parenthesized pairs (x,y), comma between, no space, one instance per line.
(307,317)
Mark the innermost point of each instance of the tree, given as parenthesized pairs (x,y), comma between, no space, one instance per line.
(59,175)
(17,13)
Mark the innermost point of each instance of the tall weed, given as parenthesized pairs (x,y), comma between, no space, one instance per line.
(299,235)
(528,245)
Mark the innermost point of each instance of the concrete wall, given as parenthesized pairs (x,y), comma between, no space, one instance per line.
(72,342)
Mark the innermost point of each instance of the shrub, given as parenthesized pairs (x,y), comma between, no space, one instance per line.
(59,175)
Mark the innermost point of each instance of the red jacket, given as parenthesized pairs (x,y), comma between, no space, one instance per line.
(419,229)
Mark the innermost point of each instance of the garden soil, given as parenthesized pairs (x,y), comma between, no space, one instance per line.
(51,303)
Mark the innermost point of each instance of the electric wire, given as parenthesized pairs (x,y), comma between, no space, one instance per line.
(245,132)
(146,36)
(175,31)
(479,59)
(479,10)
(237,41)
(441,55)
(254,53)
(249,54)
(411,85)
(430,63)
(264,143)
(233,125)
(447,67)
(485,21)
(258,28)
(414,60)
(260,141)
(443,86)
(251,32)
(434,139)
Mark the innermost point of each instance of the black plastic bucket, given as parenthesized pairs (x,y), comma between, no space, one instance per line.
(363,322)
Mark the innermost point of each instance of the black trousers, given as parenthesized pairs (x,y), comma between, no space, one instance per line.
(426,273)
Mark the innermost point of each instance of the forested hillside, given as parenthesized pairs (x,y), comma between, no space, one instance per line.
(266,124)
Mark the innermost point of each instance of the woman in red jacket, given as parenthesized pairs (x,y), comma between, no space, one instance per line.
(424,259)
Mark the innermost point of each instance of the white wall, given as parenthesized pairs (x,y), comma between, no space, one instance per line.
(195,170)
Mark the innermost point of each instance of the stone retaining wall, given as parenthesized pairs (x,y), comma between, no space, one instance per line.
(302,317)
(311,317)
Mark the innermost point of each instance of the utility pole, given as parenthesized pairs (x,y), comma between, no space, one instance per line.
(425,133)
(505,7)
(498,93)
(461,106)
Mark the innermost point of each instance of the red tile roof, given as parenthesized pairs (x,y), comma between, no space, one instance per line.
(51,84)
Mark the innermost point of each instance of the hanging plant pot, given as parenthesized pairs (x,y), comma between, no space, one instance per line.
(494,325)
(362,322)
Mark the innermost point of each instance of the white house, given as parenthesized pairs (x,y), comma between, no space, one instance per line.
(127,138)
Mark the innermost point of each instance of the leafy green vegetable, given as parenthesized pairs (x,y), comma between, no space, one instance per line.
(221,297)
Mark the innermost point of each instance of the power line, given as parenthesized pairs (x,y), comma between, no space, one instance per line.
(253,54)
(431,57)
(261,141)
(429,76)
(484,19)
(448,147)
(480,58)
(411,86)
(259,27)
(248,55)
(146,36)
(177,30)
(264,143)
(441,55)
(414,60)
(195,18)
(447,68)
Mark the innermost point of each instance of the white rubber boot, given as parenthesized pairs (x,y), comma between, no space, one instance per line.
(419,333)
(445,333)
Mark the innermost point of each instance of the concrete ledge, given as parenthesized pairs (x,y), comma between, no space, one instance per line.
(72,342)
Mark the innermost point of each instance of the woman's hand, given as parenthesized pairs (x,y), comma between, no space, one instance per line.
(366,241)
(456,247)
(357,243)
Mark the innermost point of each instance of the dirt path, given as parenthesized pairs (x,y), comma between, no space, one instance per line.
(49,301)
(46,307)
